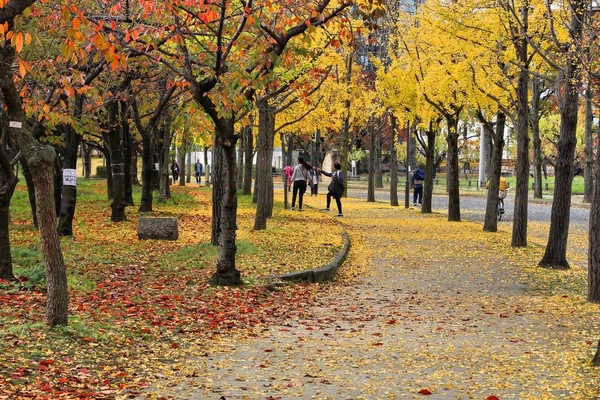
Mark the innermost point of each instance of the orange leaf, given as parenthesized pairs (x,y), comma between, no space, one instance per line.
(76,23)
(22,69)
(19,42)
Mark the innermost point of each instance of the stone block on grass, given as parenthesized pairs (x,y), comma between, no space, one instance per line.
(158,228)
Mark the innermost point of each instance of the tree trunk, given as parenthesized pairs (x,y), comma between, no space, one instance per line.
(431,133)
(134,169)
(371,187)
(188,171)
(594,239)
(182,165)
(519,233)
(555,256)
(41,159)
(537,141)
(490,223)
(226,274)
(207,170)
(109,181)
(127,154)
(289,151)
(412,154)
(239,183)
(588,169)
(30,189)
(393,165)
(115,148)
(69,192)
(264,151)
(147,155)
(58,184)
(378,159)
(218,192)
(346,132)
(453,170)
(164,160)
(87,162)
(248,158)
(8,182)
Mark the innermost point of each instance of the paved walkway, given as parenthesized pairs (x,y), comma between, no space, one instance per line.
(422,306)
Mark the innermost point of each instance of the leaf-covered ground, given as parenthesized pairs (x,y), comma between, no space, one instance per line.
(136,305)
(423,307)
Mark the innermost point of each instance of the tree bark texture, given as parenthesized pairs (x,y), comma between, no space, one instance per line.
(182,165)
(188,171)
(147,155)
(555,256)
(117,171)
(217,193)
(537,141)
(41,159)
(87,162)
(164,161)
(30,189)
(371,185)
(519,233)
(227,274)
(453,170)
(490,223)
(263,186)
(207,170)
(128,151)
(378,158)
(69,193)
(594,239)
(426,207)
(588,169)
(393,165)
(239,182)
(248,158)
(8,182)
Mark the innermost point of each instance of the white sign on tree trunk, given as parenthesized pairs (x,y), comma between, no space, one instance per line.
(69,177)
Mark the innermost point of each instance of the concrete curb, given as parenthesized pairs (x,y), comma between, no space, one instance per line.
(325,272)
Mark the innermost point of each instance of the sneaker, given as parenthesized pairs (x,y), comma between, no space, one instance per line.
(340,215)
(415,204)
(326,209)
(300,209)
(293,208)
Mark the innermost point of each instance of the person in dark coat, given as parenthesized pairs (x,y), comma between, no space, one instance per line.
(418,176)
(335,188)
(175,171)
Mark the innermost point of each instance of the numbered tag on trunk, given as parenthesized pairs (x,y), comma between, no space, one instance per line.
(69,177)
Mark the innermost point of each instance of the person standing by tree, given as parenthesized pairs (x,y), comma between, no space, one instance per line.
(288,171)
(335,188)
(418,176)
(175,171)
(198,169)
(300,179)
(314,177)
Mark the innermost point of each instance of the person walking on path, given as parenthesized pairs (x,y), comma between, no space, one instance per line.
(299,179)
(175,171)
(198,170)
(335,188)
(288,171)
(314,177)
(418,176)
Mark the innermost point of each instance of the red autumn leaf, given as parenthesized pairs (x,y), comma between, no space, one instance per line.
(424,392)
(174,345)
(392,321)
(268,350)
(492,398)
(47,362)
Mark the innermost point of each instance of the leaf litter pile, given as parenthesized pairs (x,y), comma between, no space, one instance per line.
(135,306)
(423,308)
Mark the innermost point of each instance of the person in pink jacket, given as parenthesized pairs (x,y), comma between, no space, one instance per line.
(288,171)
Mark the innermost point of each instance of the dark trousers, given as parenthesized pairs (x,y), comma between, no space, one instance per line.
(175,177)
(198,175)
(314,189)
(418,193)
(338,201)
(299,186)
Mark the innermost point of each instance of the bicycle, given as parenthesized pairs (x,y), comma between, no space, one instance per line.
(501,197)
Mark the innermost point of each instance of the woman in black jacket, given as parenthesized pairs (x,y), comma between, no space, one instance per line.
(335,188)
